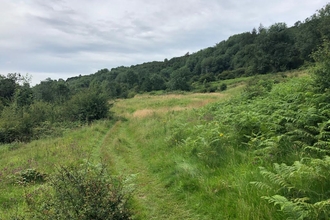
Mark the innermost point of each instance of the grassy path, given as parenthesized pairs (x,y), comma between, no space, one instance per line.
(120,149)
(128,146)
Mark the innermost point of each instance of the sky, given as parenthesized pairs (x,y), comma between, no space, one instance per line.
(65,38)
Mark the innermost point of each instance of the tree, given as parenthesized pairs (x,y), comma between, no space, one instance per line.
(179,79)
(23,95)
(7,87)
(87,106)
(157,82)
(44,91)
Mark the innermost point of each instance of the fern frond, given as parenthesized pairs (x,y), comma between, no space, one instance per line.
(293,210)
(312,129)
(301,133)
(324,135)
(275,178)
(317,148)
(261,185)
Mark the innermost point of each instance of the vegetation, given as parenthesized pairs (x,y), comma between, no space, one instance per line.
(85,192)
(28,113)
(259,149)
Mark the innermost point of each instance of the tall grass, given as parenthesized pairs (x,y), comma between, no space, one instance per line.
(197,156)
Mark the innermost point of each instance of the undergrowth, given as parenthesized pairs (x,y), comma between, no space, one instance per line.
(284,130)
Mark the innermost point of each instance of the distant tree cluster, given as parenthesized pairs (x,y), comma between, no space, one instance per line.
(27,113)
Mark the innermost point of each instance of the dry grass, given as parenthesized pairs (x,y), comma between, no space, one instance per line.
(180,96)
(149,112)
(142,106)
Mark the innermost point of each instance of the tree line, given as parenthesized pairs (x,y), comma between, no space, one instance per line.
(28,113)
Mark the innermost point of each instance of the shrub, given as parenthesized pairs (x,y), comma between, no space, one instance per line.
(131,94)
(87,106)
(85,193)
(30,176)
(257,87)
(15,125)
(223,87)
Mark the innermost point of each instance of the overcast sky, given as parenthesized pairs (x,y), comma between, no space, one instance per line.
(65,38)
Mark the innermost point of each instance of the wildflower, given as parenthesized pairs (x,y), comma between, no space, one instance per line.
(221,134)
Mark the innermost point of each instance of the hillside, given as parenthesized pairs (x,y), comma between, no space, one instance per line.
(263,50)
(242,154)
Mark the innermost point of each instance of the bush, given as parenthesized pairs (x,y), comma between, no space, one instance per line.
(84,193)
(257,87)
(131,94)
(223,87)
(30,176)
(87,106)
(15,125)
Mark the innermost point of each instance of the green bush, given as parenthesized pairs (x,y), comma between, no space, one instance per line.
(85,192)
(322,69)
(15,125)
(223,87)
(87,106)
(131,94)
(257,87)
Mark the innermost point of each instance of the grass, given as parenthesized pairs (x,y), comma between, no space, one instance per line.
(165,147)
(144,105)
(44,156)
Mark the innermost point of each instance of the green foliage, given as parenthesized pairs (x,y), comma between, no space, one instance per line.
(7,87)
(210,155)
(87,106)
(322,69)
(15,125)
(25,119)
(257,87)
(179,79)
(85,192)
(223,87)
(30,176)
(51,91)
(23,95)
(302,189)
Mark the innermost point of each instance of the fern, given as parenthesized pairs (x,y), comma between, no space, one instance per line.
(261,185)
(302,189)
(293,210)
(276,178)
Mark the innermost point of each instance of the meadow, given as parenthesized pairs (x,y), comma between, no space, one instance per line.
(258,150)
